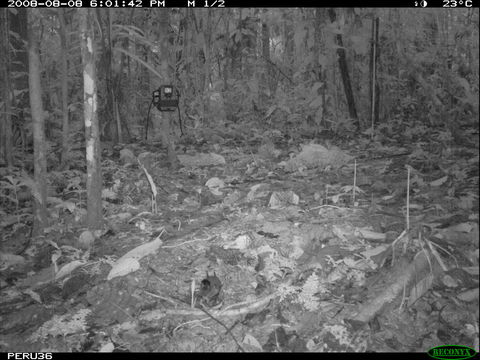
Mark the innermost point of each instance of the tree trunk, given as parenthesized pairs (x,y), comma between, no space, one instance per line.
(6,126)
(342,62)
(167,139)
(269,73)
(374,88)
(207,34)
(64,164)
(39,154)
(18,24)
(288,35)
(319,69)
(92,133)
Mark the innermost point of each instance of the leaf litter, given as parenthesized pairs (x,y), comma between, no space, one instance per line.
(309,248)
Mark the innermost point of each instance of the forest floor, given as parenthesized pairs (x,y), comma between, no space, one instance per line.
(257,243)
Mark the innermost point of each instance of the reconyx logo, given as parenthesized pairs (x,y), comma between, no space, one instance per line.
(456,352)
